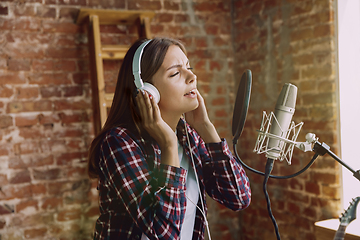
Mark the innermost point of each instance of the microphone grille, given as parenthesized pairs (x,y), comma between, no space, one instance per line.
(287,97)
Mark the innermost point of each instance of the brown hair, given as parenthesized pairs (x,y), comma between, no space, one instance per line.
(122,111)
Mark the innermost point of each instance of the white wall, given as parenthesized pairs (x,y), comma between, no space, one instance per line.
(348,14)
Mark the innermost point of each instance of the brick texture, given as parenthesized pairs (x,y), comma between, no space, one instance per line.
(46,116)
(289,41)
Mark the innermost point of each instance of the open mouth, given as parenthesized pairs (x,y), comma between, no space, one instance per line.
(192,92)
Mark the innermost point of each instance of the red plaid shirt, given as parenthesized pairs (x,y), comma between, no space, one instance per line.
(139,195)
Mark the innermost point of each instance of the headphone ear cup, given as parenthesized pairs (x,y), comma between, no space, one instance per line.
(152,90)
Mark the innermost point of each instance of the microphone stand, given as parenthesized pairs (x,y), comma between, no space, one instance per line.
(323,148)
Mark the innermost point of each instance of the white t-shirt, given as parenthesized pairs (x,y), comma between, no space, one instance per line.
(192,193)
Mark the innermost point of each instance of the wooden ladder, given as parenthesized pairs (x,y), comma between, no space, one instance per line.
(94,18)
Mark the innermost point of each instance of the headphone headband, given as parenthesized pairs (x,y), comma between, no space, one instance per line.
(136,66)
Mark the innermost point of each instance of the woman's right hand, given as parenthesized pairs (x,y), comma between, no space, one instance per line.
(158,128)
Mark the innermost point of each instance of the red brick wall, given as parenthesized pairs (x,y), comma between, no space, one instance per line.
(290,41)
(46,115)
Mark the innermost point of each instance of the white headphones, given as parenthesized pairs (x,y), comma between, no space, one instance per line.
(136,67)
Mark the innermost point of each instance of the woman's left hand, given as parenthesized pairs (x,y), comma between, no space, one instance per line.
(199,120)
(198,116)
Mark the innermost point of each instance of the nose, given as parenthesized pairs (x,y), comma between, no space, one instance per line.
(191,77)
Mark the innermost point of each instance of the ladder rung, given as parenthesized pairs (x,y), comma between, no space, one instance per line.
(114,51)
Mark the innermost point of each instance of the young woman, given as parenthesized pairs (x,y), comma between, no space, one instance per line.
(153,167)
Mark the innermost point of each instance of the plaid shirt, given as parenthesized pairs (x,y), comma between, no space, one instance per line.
(139,195)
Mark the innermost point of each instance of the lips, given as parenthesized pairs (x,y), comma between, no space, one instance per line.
(191,93)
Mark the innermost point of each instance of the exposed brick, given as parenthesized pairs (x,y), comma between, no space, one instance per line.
(26,121)
(45,12)
(19,65)
(29,50)
(6,24)
(5,121)
(77,172)
(48,92)
(52,203)
(33,106)
(312,187)
(20,177)
(40,65)
(49,79)
(69,215)
(92,212)
(220,101)
(16,191)
(3,64)
(32,24)
(60,27)
(35,232)
(165,17)
(73,105)
(28,93)
(26,204)
(38,189)
(323,30)
(68,13)
(48,119)
(50,174)
(325,178)
(144,5)
(67,158)
(2,224)
(66,52)
(73,2)
(73,91)
(172,6)
(12,78)
(24,10)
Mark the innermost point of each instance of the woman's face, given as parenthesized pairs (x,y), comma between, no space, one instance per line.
(176,83)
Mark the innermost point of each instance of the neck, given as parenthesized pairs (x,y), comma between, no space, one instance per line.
(171,119)
(340,233)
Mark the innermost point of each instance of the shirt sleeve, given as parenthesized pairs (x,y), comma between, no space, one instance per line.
(225,179)
(155,199)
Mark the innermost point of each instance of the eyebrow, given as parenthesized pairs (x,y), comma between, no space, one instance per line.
(176,66)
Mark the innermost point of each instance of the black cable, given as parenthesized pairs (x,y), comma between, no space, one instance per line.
(274,176)
(268,169)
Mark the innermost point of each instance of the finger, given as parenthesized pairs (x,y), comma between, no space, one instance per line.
(156,110)
(146,108)
(200,98)
(141,104)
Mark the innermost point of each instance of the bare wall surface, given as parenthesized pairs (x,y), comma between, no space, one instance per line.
(46,113)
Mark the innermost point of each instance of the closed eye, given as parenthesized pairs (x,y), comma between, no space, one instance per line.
(173,75)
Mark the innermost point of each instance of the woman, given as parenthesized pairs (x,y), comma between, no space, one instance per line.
(145,155)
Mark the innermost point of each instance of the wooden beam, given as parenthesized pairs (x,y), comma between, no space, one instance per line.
(113,17)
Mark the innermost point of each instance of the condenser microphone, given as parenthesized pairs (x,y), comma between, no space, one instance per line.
(284,111)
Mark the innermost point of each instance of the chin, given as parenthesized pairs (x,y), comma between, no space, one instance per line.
(193,106)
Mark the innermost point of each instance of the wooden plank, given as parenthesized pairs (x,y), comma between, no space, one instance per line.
(145,21)
(114,51)
(108,99)
(113,17)
(97,74)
